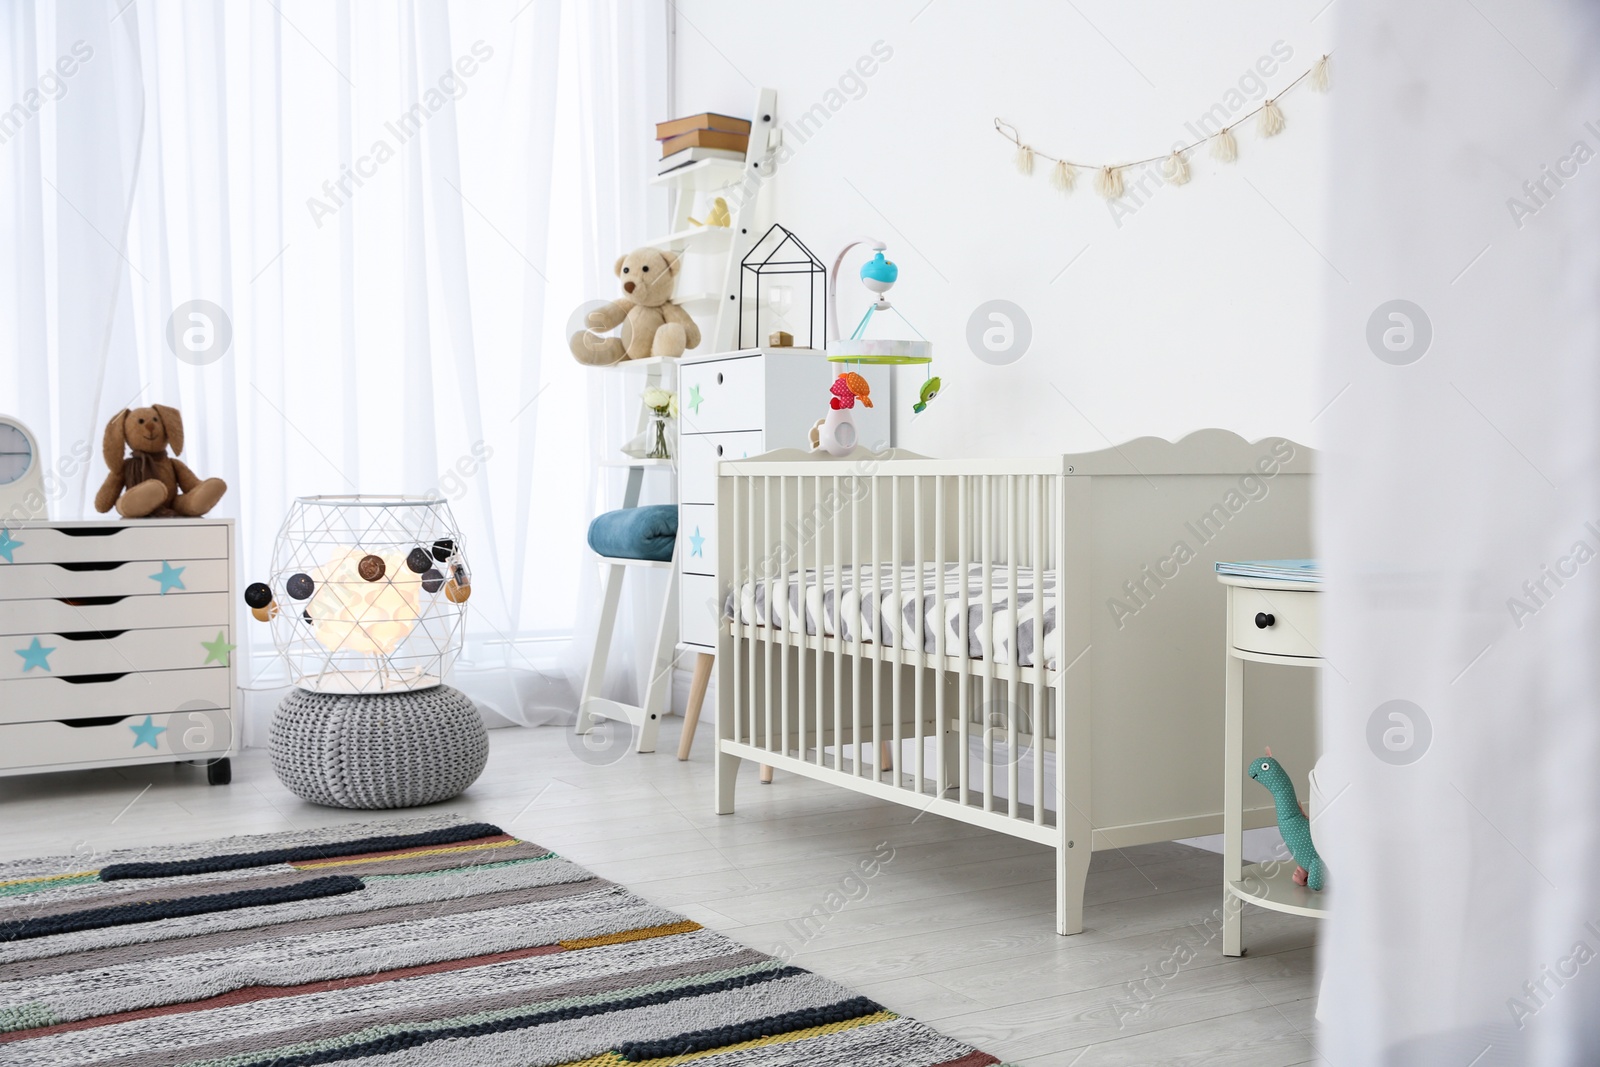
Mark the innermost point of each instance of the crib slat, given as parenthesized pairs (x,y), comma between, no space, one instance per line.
(784,563)
(858,626)
(821,516)
(876,660)
(919,590)
(1040,696)
(838,639)
(986,621)
(736,580)
(755,616)
(1013,691)
(767,645)
(963,624)
(897,650)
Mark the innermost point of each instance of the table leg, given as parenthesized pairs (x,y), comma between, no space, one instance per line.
(1232,801)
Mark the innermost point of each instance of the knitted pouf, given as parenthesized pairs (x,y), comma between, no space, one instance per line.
(386,750)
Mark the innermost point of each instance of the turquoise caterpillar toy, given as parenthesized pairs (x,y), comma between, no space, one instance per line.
(1292,822)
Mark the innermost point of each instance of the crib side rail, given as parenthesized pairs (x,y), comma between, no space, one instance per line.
(892,620)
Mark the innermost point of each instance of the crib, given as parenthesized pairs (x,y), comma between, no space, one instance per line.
(1032,646)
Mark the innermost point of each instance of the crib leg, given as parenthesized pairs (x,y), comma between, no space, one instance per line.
(766,774)
(727,774)
(952,762)
(885,755)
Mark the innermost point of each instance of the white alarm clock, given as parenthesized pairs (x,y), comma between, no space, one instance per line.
(21,474)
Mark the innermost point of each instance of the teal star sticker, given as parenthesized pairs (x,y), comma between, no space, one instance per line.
(169,577)
(146,733)
(695,399)
(35,655)
(696,543)
(8,545)
(218,650)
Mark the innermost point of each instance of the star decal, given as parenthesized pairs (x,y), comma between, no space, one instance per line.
(696,543)
(8,545)
(695,399)
(146,733)
(35,655)
(169,576)
(218,650)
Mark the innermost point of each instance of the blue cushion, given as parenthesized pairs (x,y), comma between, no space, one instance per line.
(647,532)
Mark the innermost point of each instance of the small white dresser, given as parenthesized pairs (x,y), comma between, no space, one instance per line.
(738,404)
(116,642)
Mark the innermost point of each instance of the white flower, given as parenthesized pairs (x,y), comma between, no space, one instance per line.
(660,401)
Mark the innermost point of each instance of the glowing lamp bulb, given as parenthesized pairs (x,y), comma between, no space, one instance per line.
(351,613)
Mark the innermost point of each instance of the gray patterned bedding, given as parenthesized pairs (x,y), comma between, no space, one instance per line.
(912,620)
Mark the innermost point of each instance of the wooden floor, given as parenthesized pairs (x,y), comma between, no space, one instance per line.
(955,927)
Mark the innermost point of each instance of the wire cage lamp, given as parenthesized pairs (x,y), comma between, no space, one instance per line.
(366,594)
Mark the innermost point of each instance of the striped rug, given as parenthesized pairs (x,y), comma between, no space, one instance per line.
(430,941)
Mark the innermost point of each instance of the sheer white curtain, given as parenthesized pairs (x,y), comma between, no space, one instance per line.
(1460,519)
(397,206)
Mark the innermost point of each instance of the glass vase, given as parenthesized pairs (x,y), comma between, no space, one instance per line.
(659,439)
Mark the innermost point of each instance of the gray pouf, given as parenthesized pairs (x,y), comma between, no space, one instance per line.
(386,750)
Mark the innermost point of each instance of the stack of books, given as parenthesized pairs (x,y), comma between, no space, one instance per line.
(696,137)
(1288,570)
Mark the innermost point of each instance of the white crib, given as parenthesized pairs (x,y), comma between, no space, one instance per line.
(828,667)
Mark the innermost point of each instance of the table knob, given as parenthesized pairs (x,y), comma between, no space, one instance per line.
(1263,620)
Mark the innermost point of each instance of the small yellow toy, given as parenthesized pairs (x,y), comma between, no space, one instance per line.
(718,216)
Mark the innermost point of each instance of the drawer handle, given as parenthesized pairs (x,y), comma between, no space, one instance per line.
(90,601)
(92,679)
(102,720)
(91,531)
(106,565)
(719,450)
(1263,620)
(719,377)
(92,635)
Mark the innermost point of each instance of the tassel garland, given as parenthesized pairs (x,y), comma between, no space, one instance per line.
(1109,183)
(1109,180)
(1176,169)
(1271,119)
(1224,147)
(1063,177)
(1319,75)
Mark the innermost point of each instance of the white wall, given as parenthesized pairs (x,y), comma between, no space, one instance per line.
(1200,309)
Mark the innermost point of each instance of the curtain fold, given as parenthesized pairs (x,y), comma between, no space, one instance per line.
(377,198)
(1459,516)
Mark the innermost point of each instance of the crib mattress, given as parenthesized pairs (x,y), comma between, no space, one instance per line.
(910,621)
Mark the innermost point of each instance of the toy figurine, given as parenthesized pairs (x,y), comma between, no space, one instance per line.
(1292,822)
(930,389)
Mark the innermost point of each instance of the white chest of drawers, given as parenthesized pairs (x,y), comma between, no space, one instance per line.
(116,643)
(744,403)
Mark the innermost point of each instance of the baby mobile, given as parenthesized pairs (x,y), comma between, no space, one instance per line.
(836,433)
(1108,180)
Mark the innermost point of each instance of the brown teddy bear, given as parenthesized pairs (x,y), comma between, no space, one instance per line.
(149,483)
(652,325)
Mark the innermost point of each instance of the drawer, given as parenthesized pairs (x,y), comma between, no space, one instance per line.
(1296,627)
(107,652)
(74,615)
(698,456)
(38,581)
(699,609)
(154,539)
(729,393)
(176,734)
(115,693)
(697,543)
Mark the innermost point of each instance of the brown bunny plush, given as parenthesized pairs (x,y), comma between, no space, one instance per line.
(149,484)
